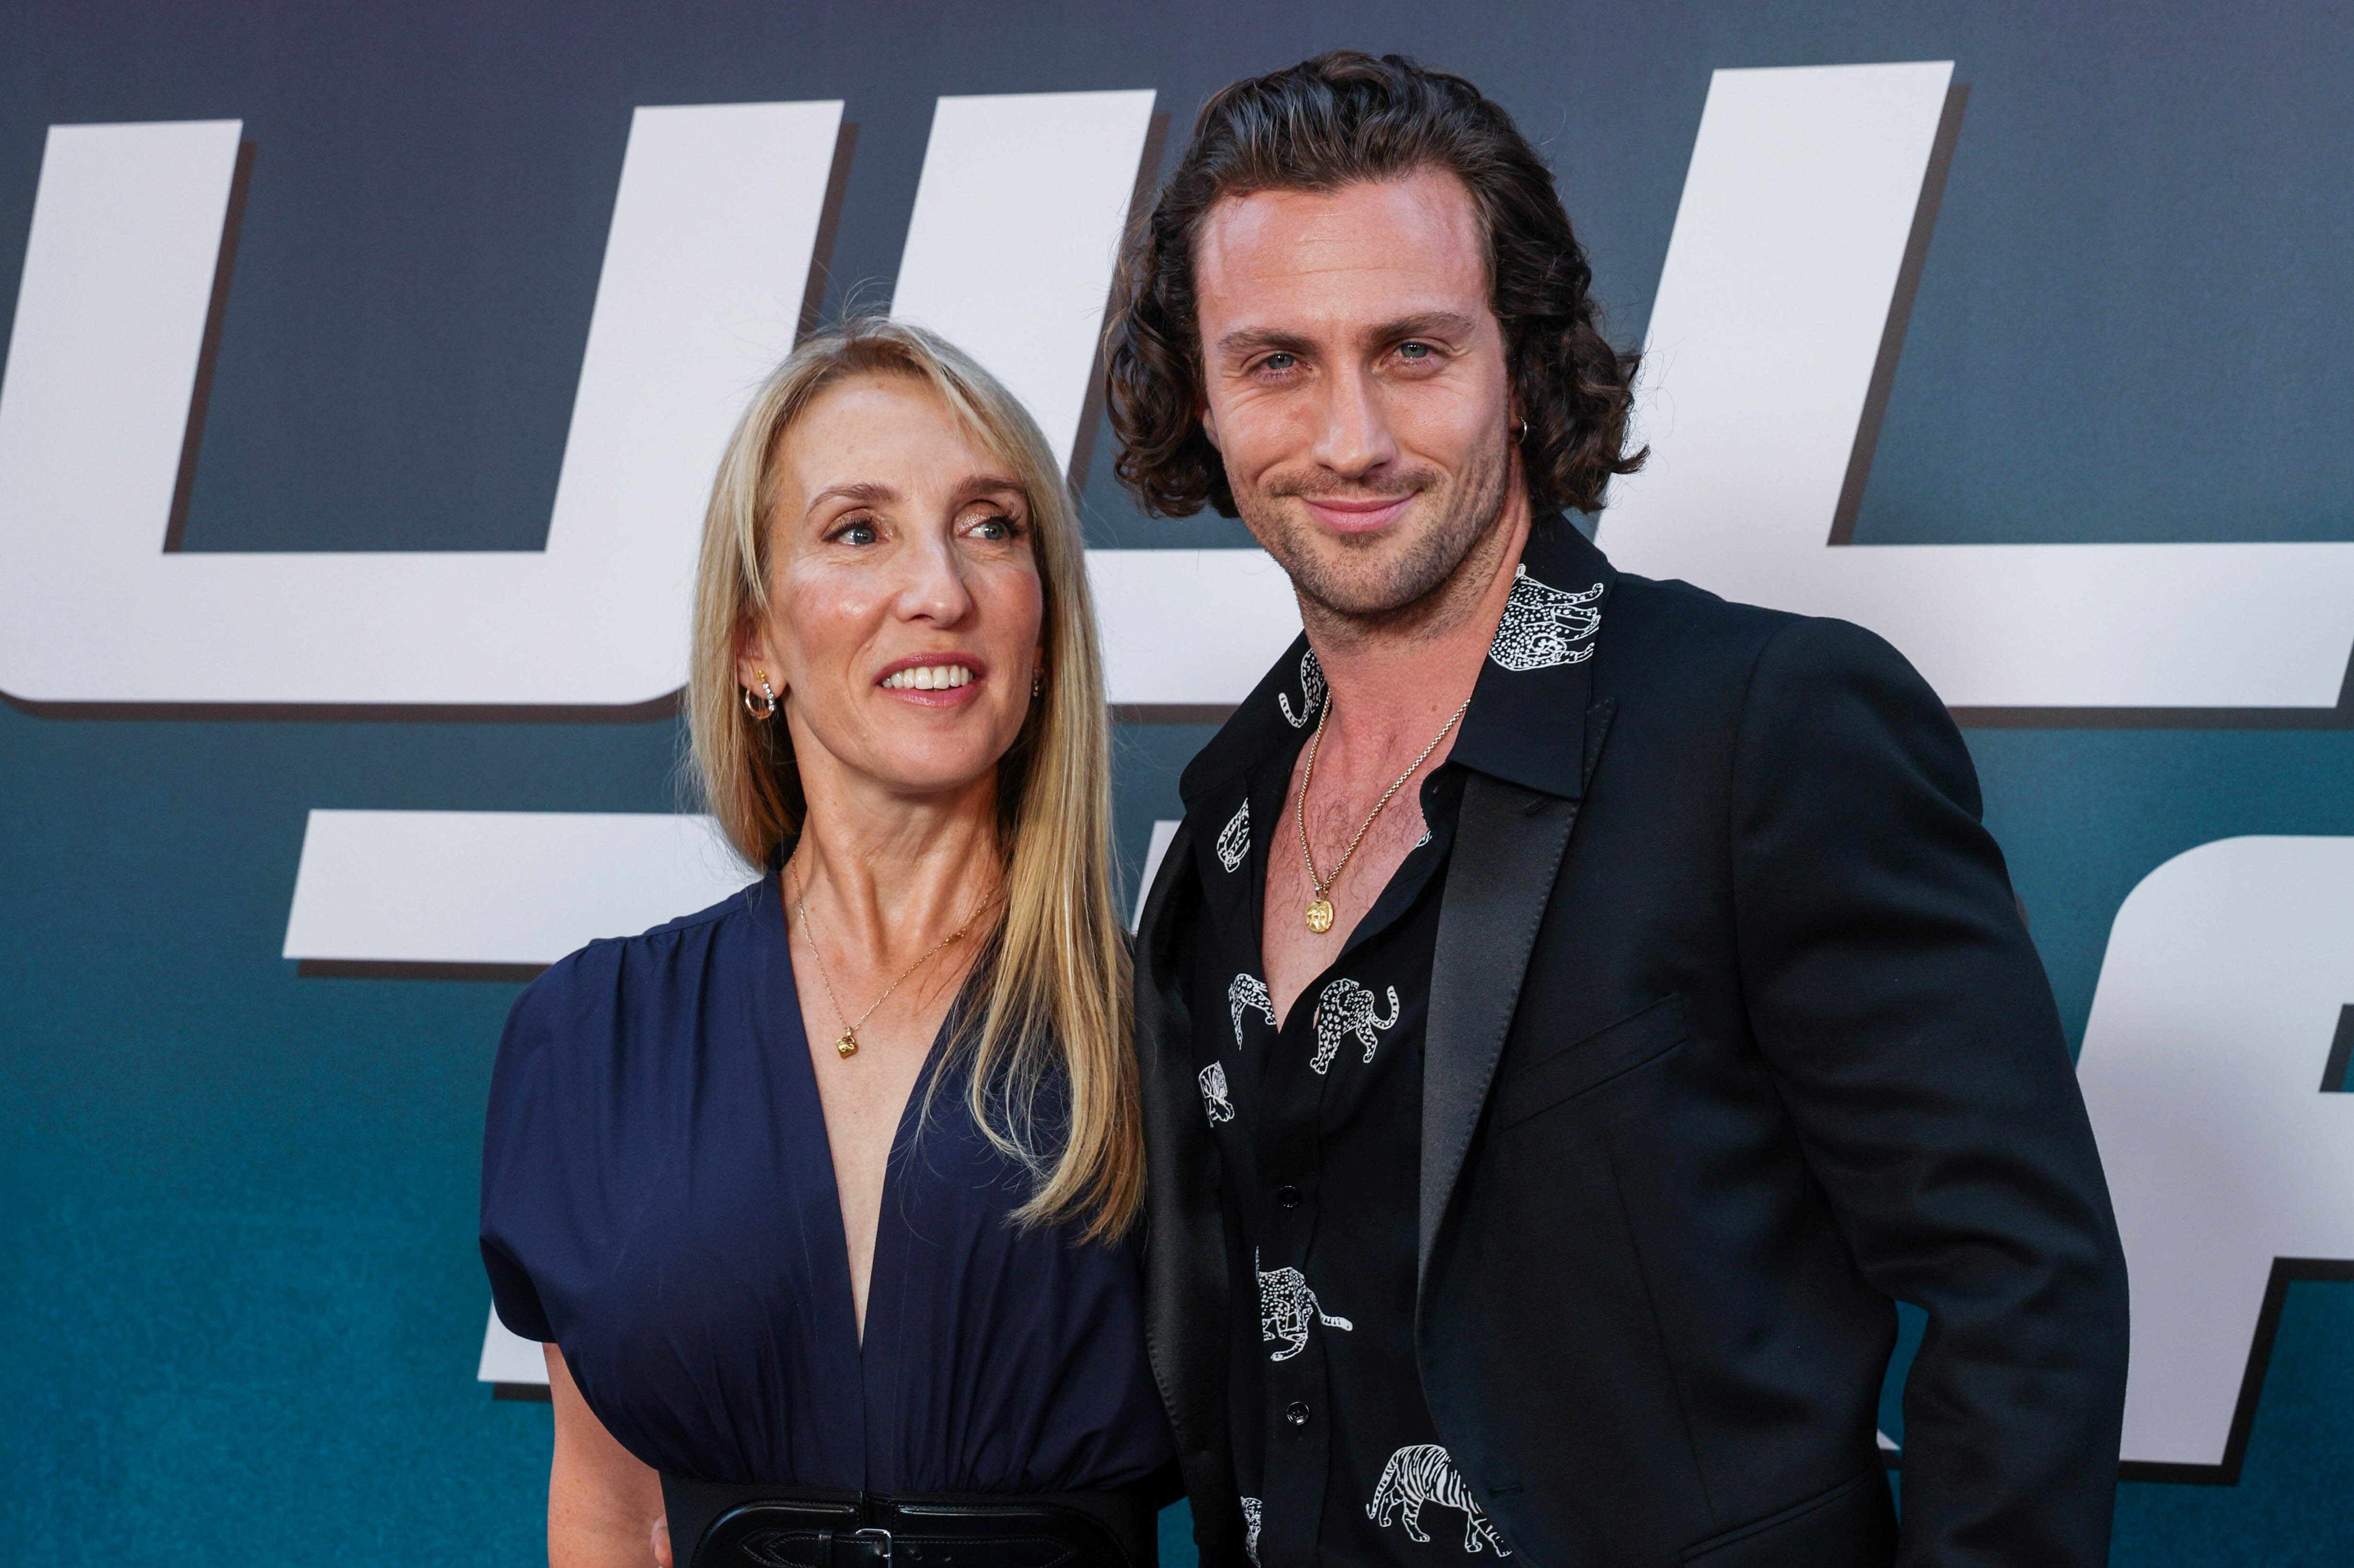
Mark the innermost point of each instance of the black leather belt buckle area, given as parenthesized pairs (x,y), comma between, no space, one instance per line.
(745,1539)
(878,1533)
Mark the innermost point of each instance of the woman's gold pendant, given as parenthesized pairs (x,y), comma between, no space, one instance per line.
(1319,915)
(847,1046)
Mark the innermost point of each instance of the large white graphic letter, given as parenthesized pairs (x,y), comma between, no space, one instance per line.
(715,224)
(1014,233)
(1772,319)
(2205,1064)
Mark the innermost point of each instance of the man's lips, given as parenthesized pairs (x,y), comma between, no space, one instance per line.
(1356,515)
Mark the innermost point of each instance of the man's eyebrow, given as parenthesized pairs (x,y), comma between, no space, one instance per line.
(1425,324)
(1428,323)
(1247,340)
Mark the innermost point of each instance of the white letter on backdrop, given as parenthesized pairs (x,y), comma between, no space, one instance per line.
(706,266)
(2227,972)
(1014,233)
(1765,335)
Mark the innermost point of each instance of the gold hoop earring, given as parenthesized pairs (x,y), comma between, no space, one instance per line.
(759,715)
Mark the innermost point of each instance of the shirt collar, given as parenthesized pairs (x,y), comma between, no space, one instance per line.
(1526,724)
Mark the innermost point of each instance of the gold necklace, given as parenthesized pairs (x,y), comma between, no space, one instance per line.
(847,1046)
(1319,913)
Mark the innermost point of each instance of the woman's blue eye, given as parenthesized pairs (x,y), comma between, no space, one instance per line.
(858,533)
(999,527)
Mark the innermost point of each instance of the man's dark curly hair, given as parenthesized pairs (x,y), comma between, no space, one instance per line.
(1338,119)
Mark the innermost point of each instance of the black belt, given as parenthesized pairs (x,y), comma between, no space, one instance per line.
(721,1526)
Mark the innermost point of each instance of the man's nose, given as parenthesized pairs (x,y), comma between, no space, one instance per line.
(1355,437)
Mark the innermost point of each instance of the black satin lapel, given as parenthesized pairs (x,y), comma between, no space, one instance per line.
(1509,842)
(1598,730)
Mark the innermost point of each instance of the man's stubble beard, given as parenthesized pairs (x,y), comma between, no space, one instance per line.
(1367,597)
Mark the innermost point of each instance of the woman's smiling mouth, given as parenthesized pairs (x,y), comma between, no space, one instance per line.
(934,680)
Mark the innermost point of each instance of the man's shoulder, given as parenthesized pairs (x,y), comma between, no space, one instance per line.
(1671,631)
(1676,608)
(1669,637)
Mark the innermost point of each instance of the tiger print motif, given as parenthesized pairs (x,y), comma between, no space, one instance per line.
(1422,1473)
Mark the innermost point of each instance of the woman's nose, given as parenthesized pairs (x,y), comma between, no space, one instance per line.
(936,590)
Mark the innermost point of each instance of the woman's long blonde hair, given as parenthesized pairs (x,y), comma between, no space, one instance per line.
(1058,1004)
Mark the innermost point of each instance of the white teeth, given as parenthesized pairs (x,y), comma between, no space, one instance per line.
(928,678)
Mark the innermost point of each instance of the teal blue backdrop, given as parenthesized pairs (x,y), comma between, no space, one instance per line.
(239,1304)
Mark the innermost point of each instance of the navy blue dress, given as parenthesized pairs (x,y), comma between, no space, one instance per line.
(658,1199)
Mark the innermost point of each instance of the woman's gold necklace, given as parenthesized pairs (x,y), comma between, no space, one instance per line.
(847,1046)
(1319,913)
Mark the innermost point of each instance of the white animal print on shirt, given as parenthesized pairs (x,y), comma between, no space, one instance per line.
(1543,626)
(1287,1309)
(1422,1473)
(1312,693)
(1234,838)
(1248,994)
(1347,1008)
(1252,1507)
(1212,1080)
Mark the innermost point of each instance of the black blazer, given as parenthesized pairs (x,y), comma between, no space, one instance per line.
(1736,1037)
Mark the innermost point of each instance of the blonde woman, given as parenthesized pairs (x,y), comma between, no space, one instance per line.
(822,1199)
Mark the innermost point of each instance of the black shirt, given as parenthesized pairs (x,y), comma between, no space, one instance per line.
(1318,1124)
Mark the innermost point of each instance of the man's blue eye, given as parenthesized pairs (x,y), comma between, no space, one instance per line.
(1414,350)
(1280,362)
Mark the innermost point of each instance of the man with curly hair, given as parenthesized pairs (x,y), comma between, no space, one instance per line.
(1575,1009)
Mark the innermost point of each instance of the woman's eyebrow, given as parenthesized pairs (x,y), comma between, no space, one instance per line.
(989,484)
(865,490)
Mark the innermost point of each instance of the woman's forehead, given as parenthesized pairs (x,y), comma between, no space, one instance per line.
(883,432)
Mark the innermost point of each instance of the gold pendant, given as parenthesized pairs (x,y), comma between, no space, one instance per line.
(1320,915)
(847,1046)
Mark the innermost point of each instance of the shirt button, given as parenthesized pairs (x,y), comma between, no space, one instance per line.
(1295,1412)
(1287,1196)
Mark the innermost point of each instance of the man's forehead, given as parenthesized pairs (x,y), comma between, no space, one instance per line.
(1418,234)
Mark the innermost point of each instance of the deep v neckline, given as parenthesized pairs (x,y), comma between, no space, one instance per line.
(876,1351)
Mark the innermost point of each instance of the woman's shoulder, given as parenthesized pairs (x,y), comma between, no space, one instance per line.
(599,989)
